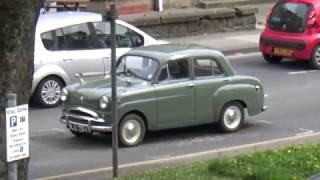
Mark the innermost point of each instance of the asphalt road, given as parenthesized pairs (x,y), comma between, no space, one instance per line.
(293,101)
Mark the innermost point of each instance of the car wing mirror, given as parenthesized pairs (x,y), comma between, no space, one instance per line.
(80,77)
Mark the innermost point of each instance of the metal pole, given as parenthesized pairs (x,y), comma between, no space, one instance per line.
(114,113)
(11,101)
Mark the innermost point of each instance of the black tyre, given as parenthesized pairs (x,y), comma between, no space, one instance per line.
(132,130)
(315,59)
(231,117)
(48,92)
(272,59)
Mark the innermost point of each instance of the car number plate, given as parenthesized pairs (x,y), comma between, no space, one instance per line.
(282,51)
(79,128)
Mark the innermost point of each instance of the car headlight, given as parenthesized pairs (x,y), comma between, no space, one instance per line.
(64,94)
(104,102)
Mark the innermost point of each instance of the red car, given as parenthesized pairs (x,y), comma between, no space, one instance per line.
(292,31)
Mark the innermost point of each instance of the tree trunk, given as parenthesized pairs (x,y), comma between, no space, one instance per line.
(17,21)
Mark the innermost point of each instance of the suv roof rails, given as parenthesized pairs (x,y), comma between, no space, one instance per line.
(63,5)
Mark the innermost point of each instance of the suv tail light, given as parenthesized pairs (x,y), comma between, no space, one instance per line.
(311,18)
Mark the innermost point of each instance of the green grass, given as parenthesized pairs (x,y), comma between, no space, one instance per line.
(295,162)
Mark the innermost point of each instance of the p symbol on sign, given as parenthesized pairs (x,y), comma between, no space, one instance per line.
(13,121)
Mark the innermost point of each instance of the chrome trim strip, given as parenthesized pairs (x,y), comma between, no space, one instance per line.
(93,128)
(84,117)
(92,113)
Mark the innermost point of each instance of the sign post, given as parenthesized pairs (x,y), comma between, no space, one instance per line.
(17,134)
(112,16)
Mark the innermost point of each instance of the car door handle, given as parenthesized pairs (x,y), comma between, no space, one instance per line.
(67,60)
(190,85)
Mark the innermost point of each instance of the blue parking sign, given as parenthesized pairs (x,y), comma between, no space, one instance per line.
(13,121)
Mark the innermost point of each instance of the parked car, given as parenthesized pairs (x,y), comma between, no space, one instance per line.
(292,31)
(70,42)
(161,87)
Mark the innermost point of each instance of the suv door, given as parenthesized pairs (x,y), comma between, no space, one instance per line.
(209,77)
(175,95)
(79,52)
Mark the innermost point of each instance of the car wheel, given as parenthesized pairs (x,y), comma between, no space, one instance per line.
(48,92)
(315,60)
(131,130)
(231,117)
(272,59)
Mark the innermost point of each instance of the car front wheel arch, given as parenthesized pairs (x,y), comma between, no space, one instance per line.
(37,98)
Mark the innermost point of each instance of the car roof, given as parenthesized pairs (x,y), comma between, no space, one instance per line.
(166,52)
(54,20)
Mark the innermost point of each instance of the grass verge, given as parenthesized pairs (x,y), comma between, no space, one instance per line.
(295,162)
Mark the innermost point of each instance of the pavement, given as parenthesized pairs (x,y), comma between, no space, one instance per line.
(230,43)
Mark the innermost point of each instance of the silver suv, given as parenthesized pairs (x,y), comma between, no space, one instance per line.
(73,42)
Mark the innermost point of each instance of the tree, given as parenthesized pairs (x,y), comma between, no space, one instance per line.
(17,21)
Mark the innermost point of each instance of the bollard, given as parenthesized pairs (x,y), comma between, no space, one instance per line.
(11,101)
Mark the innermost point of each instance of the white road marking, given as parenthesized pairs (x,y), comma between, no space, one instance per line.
(252,38)
(238,55)
(301,72)
(49,130)
(305,131)
(264,122)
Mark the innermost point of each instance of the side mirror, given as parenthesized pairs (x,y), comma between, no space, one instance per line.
(80,77)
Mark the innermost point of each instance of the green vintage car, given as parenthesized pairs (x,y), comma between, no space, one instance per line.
(162,87)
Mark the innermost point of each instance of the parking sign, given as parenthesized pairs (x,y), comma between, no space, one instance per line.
(17,133)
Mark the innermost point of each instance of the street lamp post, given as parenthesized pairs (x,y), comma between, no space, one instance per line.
(112,16)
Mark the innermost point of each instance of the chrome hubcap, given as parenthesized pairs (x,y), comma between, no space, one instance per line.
(131,131)
(232,117)
(50,92)
(317,56)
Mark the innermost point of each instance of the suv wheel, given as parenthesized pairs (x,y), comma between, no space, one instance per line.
(48,92)
(231,117)
(131,130)
(272,59)
(315,60)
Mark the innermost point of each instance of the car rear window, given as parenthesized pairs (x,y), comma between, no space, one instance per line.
(289,17)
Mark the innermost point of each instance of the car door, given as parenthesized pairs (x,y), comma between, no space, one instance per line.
(175,95)
(79,52)
(208,78)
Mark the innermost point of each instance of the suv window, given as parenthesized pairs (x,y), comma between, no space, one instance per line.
(47,40)
(206,67)
(77,37)
(289,17)
(125,37)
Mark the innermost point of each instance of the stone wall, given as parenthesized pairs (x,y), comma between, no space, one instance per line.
(192,21)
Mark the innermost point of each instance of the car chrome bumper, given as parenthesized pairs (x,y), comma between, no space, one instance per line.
(85,118)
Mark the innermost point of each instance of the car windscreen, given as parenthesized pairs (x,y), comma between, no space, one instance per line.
(137,66)
(289,17)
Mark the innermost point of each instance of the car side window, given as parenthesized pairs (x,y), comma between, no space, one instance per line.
(206,67)
(48,40)
(175,70)
(164,73)
(126,38)
(77,37)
